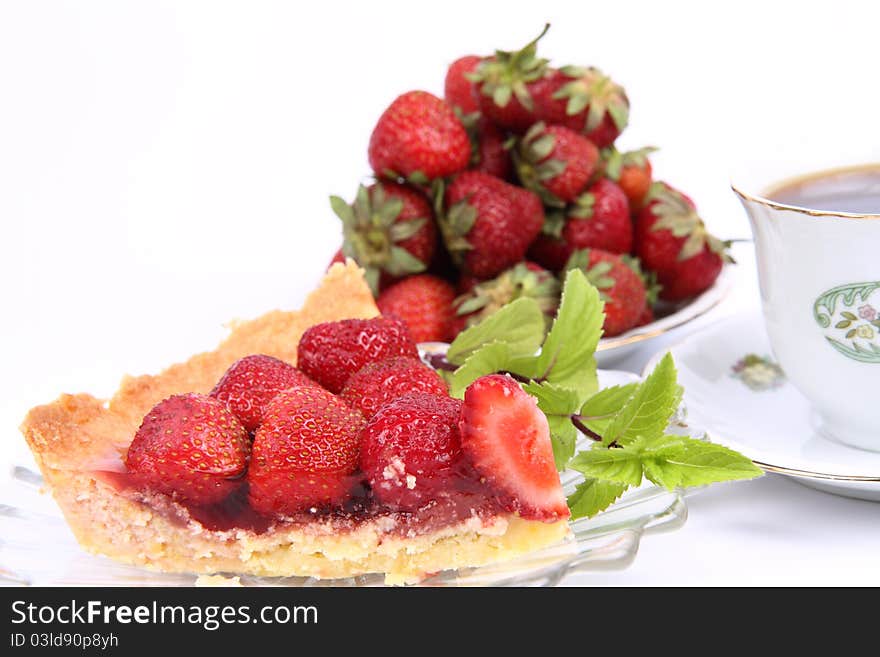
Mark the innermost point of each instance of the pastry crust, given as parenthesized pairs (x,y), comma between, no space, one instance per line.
(78,434)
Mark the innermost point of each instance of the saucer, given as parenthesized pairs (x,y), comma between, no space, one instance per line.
(737,393)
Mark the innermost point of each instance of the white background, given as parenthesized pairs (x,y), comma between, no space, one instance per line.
(164,167)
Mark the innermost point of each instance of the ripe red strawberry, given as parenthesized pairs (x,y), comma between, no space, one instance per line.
(389,230)
(418,138)
(632,171)
(620,286)
(459,91)
(489,150)
(411,450)
(424,302)
(525,279)
(507,84)
(490,154)
(190,447)
(507,439)
(305,452)
(647,315)
(331,352)
(489,224)
(376,384)
(251,382)
(672,241)
(600,219)
(584,100)
(554,162)
(548,250)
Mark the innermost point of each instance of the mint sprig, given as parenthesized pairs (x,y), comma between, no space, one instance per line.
(600,409)
(628,424)
(567,357)
(675,461)
(648,411)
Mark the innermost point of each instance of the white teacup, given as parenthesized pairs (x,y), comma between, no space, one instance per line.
(817,242)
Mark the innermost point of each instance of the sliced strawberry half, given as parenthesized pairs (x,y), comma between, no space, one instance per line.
(507,439)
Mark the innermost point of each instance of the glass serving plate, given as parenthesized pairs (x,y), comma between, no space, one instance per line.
(38,549)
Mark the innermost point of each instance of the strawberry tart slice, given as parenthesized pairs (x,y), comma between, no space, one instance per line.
(311,443)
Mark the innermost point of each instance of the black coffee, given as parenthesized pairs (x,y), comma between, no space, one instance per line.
(845,190)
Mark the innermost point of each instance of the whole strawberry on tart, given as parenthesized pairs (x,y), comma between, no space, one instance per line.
(519,162)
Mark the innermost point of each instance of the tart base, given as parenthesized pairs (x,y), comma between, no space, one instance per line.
(77,435)
(108,523)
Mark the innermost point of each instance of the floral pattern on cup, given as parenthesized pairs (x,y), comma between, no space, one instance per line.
(850,315)
(759,373)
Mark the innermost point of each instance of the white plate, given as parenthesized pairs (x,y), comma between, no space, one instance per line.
(614,349)
(37,547)
(756,411)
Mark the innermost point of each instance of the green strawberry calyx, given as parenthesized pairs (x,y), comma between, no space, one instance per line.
(639,157)
(649,278)
(614,161)
(597,274)
(507,73)
(595,92)
(583,205)
(519,281)
(675,214)
(471,123)
(372,232)
(455,222)
(534,164)
(554,222)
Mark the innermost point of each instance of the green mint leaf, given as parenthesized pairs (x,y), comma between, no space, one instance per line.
(554,399)
(519,325)
(599,410)
(623,466)
(558,404)
(567,356)
(488,359)
(593,496)
(649,410)
(563,437)
(677,461)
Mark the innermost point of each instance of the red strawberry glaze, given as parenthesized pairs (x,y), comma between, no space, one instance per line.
(468,499)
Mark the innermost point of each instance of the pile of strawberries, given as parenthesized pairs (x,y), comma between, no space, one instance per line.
(488,194)
(360,421)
